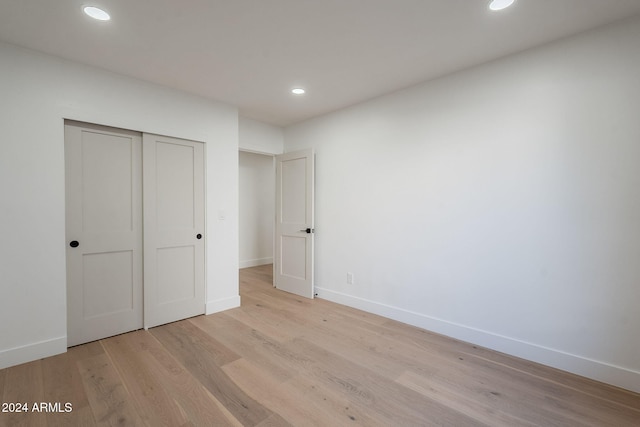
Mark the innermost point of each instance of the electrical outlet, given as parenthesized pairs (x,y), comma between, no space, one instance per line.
(349,278)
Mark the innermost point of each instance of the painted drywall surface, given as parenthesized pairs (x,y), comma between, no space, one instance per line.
(257,208)
(258,137)
(499,205)
(38,91)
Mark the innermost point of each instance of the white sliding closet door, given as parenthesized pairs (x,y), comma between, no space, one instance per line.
(112,177)
(103,169)
(173,229)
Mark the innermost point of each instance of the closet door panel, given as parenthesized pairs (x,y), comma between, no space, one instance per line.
(174,229)
(103,231)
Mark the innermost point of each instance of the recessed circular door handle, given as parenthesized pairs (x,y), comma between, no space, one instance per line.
(199,236)
(74,244)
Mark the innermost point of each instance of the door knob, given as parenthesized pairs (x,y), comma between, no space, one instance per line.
(199,236)
(74,244)
(307,230)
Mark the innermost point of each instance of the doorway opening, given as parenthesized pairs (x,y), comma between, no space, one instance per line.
(257,194)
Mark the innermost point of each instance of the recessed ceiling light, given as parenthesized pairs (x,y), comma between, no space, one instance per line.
(96,13)
(298,91)
(500,4)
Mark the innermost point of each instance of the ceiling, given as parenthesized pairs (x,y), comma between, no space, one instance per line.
(250,53)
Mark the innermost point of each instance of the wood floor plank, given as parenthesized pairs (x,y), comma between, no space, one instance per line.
(281,301)
(577,384)
(82,413)
(152,402)
(390,402)
(23,385)
(230,419)
(338,405)
(269,325)
(62,385)
(309,409)
(252,344)
(185,334)
(243,407)
(552,398)
(353,343)
(479,406)
(272,393)
(274,420)
(107,395)
(187,392)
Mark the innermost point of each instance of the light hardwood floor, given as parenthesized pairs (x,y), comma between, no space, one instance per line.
(281,360)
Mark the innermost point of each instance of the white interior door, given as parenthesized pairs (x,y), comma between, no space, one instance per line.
(103,231)
(173,229)
(293,263)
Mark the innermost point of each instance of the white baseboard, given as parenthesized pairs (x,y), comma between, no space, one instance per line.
(222,304)
(255,262)
(596,370)
(31,352)
(39,350)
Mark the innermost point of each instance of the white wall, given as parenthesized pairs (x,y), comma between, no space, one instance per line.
(500,205)
(38,92)
(258,137)
(257,209)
